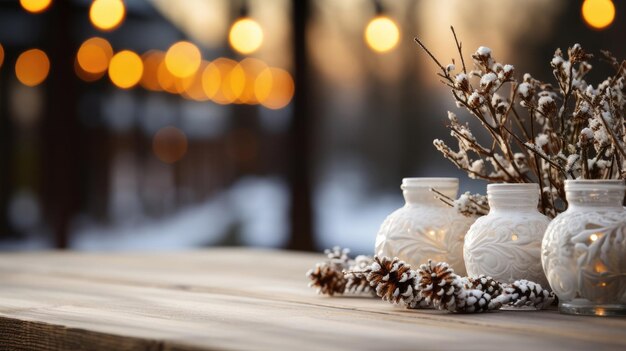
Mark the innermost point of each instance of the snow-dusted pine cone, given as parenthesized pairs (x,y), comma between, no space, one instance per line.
(393,281)
(339,256)
(484,283)
(356,278)
(473,301)
(526,293)
(327,279)
(440,286)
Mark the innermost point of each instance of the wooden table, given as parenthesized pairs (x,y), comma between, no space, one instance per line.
(237,299)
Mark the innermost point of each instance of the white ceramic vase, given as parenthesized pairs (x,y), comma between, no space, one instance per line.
(506,243)
(584,249)
(425,228)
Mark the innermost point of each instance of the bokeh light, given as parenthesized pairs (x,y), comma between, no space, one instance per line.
(221,67)
(94,55)
(125,69)
(274,88)
(598,14)
(32,67)
(84,75)
(211,80)
(246,36)
(35,6)
(1,55)
(169,82)
(183,59)
(243,78)
(151,61)
(195,90)
(169,144)
(382,34)
(107,15)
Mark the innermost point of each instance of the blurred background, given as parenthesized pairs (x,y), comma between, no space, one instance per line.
(170,124)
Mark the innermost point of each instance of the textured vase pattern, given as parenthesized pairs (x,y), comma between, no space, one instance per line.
(584,256)
(418,233)
(507,247)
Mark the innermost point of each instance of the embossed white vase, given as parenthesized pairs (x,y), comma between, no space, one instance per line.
(506,243)
(584,249)
(425,228)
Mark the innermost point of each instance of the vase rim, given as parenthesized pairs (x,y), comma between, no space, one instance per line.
(430,182)
(512,187)
(594,184)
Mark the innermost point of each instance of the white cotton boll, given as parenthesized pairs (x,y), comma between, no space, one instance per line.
(587,133)
(496,99)
(478,167)
(557,61)
(475,100)
(450,67)
(541,140)
(508,68)
(488,79)
(572,163)
(483,51)
(545,101)
(527,77)
(524,90)
(452,117)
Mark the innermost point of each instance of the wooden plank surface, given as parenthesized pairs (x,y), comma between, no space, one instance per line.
(237,299)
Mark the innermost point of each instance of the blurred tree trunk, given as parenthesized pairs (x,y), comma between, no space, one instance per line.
(62,138)
(300,138)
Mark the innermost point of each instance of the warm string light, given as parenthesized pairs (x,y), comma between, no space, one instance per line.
(598,14)
(183,59)
(382,34)
(125,69)
(32,67)
(245,36)
(107,15)
(94,55)
(35,6)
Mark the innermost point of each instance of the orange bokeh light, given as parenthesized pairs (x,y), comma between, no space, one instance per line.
(211,80)
(243,83)
(195,90)
(1,55)
(151,62)
(183,59)
(107,15)
(94,55)
(169,144)
(169,82)
(84,75)
(125,69)
(221,67)
(32,67)
(598,14)
(274,88)
(35,6)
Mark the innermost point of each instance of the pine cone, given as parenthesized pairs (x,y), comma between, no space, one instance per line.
(526,293)
(473,301)
(484,283)
(338,256)
(440,286)
(356,278)
(393,281)
(327,279)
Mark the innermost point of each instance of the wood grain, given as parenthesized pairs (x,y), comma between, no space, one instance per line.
(237,299)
